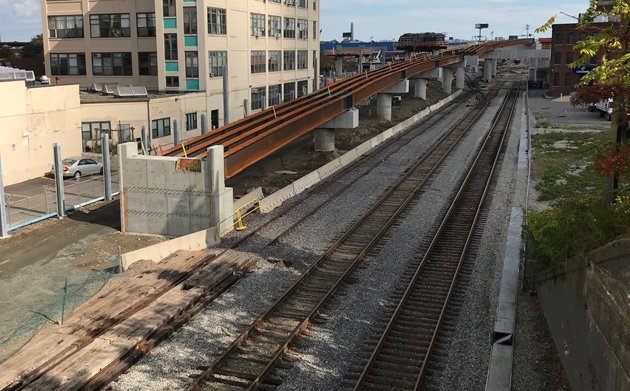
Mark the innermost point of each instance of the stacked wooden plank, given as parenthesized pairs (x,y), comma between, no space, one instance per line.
(106,335)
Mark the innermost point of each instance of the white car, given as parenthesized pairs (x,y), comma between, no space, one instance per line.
(79,166)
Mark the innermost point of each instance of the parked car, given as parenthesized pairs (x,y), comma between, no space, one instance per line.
(79,166)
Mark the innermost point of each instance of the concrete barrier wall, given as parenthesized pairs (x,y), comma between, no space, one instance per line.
(194,242)
(587,307)
(276,199)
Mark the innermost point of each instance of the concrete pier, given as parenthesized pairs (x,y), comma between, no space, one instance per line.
(339,65)
(324,140)
(324,137)
(419,88)
(447,80)
(460,77)
(487,71)
(384,106)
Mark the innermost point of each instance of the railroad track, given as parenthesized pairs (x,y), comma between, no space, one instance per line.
(249,360)
(401,355)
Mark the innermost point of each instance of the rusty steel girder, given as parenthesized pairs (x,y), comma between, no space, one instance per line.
(257,136)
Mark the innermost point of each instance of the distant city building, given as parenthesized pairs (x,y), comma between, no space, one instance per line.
(563,38)
(270,48)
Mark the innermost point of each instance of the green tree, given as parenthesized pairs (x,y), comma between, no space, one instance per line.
(35,48)
(6,52)
(610,79)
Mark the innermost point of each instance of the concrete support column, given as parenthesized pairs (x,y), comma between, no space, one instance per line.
(420,88)
(222,197)
(144,137)
(447,80)
(460,81)
(339,65)
(495,67)
(487,71)
(176,138)
(324,140)
(473,62)
(384,106)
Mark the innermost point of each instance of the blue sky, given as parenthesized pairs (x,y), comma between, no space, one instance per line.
(20,19)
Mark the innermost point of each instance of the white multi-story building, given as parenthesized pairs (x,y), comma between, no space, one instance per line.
(270,48)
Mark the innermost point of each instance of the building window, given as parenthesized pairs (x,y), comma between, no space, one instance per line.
(258,25)
(169,8)
(170,46)
(112,64)
(302,26)
(302,88)
(147,62)
(216,61)
(289,28)
(303,3)
(110,26)
(92,130)
(214,119)
(161,127)
(556,79)
(274,60)
(217,23)
(65,26)
(569,58)
(192,65)
(191,121)
(570,39)
(64,64)
(275,94)
(557,38)
(568,79)
(258,59)
(289,91)
(314,4)
(190,20)
(302,59)
(275,26)
(289,60)
(172,81)
(314,29)
(146,24)
(289,2)
(557,58)
(258,98)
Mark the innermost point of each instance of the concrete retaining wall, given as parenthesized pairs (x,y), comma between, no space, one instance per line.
(276,199)
(170,196)
(195,242)
(587,306)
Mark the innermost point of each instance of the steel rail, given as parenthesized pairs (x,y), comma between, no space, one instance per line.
(397,324)
(263,133)
(325,276)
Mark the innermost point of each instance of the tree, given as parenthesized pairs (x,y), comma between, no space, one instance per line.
(6,52)
(610,79)
(35,48)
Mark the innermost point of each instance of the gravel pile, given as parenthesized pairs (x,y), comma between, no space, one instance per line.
(210,332)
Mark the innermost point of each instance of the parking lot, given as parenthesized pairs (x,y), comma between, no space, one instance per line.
(37,197)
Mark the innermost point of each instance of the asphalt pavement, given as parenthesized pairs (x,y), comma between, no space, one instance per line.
(37,197)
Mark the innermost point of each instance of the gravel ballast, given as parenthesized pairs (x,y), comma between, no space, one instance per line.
(326,358)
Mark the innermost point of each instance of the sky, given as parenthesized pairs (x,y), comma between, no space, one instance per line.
(373,19)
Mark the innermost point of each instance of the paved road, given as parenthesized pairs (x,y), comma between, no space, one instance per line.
(36,197)
(560,113)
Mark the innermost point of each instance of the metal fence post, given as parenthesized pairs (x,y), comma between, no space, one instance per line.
(145,139)
(61,211)
(3,209)
(204,124)
(176,138)
(226,96)
(107,169)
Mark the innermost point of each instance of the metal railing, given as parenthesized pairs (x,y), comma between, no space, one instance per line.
(238,216)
